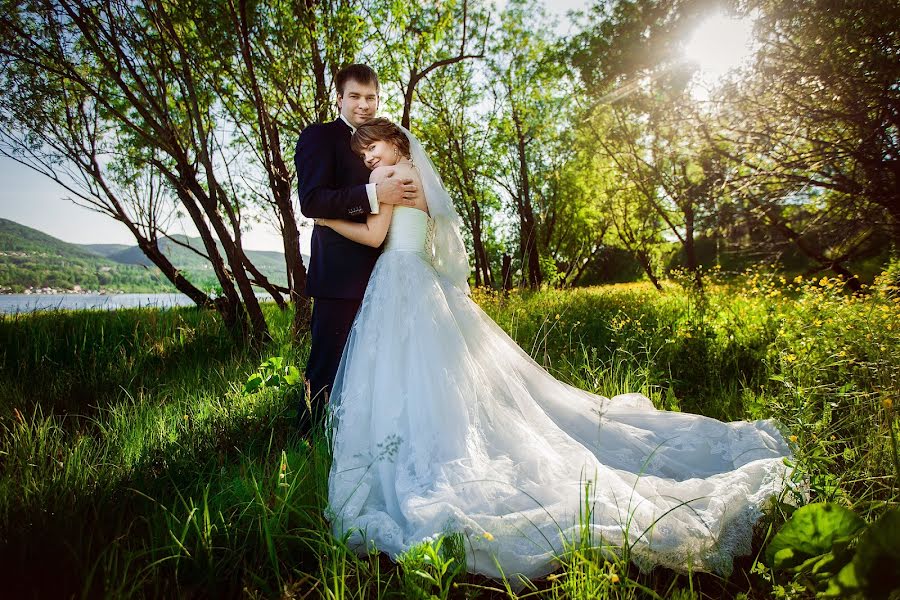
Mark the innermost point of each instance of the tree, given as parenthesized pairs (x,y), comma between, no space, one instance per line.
(568,201)
(816,122)
(415,40)
(459,147)
(202,107)
(56,127)
(532,92)
(807,137)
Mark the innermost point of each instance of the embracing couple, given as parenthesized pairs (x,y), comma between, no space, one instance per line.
(442,424)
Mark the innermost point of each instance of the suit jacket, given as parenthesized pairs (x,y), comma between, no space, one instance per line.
(332,183)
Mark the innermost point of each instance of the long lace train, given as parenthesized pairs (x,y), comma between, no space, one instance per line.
(443,424)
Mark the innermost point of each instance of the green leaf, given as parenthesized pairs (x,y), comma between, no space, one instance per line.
(811,531)
(844,583)
(426,576)
(253,383)
(292,376)
(825,563)
(878,556)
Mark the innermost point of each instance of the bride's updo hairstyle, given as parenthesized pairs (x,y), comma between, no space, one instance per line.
(376,130)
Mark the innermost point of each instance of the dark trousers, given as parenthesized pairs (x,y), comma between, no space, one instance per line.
(330,327)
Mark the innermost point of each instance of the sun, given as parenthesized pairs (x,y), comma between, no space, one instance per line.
(720,44)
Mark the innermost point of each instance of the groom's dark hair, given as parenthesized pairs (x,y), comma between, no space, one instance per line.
(356,72)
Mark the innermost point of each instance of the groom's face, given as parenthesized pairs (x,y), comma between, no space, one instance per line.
(359,102)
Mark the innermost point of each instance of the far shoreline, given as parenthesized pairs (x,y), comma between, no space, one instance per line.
(58,292)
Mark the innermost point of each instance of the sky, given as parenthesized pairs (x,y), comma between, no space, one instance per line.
(35,201)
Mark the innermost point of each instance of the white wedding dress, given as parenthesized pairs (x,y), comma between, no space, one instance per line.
(441,423)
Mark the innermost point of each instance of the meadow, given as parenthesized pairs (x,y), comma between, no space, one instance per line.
(143,456)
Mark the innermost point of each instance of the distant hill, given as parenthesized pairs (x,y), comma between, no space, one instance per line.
(19,238)
(183,257)
(31,258)
(106,250)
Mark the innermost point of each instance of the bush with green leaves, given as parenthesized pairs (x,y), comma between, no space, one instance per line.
(828,549)
(273,373)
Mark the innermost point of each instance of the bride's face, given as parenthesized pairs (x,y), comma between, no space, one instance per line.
(380,154)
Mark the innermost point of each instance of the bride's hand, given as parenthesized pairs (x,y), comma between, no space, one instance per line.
(321,222)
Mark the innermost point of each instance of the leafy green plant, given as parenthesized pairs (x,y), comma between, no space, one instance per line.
(429,568)
(829,550)
(273,373)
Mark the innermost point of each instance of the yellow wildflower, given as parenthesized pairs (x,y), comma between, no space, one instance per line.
(793,438)
(887,402)
(614,578)
(186,417)
(487,535)
(557,316)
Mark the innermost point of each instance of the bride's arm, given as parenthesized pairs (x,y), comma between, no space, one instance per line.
(370,233)
(374,230)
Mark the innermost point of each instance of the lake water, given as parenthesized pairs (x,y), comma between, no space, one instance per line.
(22,303)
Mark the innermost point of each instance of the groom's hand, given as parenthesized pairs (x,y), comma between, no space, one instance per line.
(396,191)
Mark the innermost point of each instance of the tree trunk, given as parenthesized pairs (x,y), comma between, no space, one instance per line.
(531,266)
(481,260)
(151,251)
(690,250)
(506,272)
(478,282)
(236,318)
(644,259)
(582,268)
(277,170)
(778,223)
(259,330)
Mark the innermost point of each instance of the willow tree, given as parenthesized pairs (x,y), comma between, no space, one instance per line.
(198,92)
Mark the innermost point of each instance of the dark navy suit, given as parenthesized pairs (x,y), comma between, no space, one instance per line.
(332,183)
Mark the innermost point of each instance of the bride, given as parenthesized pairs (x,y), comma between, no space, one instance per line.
(443,424)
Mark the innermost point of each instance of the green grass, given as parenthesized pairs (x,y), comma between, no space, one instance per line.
(132,462)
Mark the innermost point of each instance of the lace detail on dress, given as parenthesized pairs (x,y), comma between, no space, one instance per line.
(429,240)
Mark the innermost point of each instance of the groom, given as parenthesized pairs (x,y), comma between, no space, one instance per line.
(334,184)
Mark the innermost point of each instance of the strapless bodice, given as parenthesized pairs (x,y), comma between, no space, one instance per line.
(411,230)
